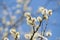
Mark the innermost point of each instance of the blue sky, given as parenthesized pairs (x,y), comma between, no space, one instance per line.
(54,21)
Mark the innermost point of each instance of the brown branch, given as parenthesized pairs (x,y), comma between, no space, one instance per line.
(36,30)
(16,38)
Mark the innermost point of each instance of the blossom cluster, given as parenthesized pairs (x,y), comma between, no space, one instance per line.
(32,21)
(35,22)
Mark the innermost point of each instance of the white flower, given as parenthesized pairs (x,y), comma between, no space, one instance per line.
(18,35)
(27,14)
(50,12)
(27,36)
(30,22)
(48,33)
(29,18)
(45,12)
(6,38)
(33,19)
(40,9)
(12,31)
(39,19)
(45,17)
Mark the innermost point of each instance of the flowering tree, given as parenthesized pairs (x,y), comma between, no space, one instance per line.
(11,23)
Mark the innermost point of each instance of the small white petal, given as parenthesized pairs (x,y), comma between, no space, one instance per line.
(39,19)
(48,33)
(18,35)
(27,36)
(6,38)
(27,14)
(12,31)
(40,9)
(45,11)
(50,12)
(45,17)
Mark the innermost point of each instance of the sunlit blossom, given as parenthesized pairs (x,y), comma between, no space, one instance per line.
(39,19)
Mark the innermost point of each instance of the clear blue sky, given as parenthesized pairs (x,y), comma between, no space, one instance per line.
(54,22)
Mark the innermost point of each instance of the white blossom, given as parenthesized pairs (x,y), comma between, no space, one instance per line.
(41,9)
(50,12)
(12,31)
(18,35)
(45,12)
(30,22)
(5,38)
(48,33)
(33,19)
(27,14)
(45,17)
(39,19)
(27,36)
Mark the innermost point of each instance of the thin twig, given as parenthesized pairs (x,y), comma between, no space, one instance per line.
(36,30)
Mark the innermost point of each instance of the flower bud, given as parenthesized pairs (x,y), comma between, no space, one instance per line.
(18,35)
(5,38)
(33,19)
(27,14)
(39,19)
(45,17)
(27,36)
(13,31)
(41,9)
(50,12)
(48,34)
(30,22)
(44,12)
